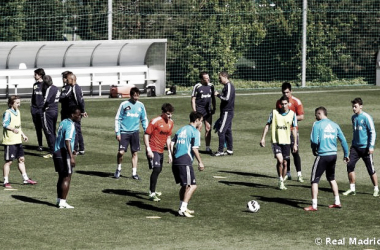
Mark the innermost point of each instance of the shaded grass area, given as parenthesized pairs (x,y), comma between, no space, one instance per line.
(112,214)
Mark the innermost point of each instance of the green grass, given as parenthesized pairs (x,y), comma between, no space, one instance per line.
(112,214)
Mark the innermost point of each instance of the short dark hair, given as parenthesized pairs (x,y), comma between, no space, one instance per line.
(167,107)
(12,99)
(224,74)
(194,115)
(202,74)
(323,109)
(134,91)
(286,85)
(66,73)
(284,98)
(74,109)
(47,80)
(40,71)
(357,100)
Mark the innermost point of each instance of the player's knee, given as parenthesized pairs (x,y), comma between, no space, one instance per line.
(21,160)
(350,168)
(121,153)
(157,170)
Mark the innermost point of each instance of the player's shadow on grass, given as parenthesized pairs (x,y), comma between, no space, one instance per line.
(286,201)
(34,151)
(150,207)
(247,174)
(124,192)
(95,173)
(32,200)
(247,184)
(205,152)
(322,189)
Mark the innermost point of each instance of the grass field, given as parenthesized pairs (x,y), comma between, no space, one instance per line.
(113,214)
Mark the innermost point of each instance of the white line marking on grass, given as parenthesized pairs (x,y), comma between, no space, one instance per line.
(153,217)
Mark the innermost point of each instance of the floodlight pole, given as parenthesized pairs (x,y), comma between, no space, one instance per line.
(109,19)
(304,30)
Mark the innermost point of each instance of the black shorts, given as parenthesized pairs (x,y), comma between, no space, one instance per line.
(62,163)
(184,175)
(322,164)
(12,152)
(132,139)
(157,161)
(283,149)
(356,154)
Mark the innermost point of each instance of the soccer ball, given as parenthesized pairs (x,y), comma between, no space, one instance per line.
(253,206)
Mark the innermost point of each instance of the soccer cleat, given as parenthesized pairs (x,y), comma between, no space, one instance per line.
(376,193)
(335,206)
(300,179)
(184,214)
(48,156)
(64,205)
(189,211)
(229,152)
(208,151)
(281,185)
(30,182)
(349,192)
(136,177)
(218,154)
(154,197)
(158,194)
(81,152)
(7,185)
(310,208)
(117,174)
(40,148)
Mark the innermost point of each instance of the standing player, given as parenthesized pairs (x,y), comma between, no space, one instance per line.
(50,113)
(156,136)
(203,101)
(127,119)
(12,141)
(296,106)
(227,106)
(283,121)
(186,142)
(72,97)
(64,157)
(323,139)
(37,104)
(363,144)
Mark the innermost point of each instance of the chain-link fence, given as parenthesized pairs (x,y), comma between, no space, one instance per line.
(255,41)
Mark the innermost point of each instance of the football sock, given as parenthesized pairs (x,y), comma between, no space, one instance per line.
(352,187)
(119,167)
(25,177)
(299,173)
(58,200)
(183,206)
(314,203)
(281,179)
(376,188)
(207,148)
(134,171)
(6,180)
(337,200)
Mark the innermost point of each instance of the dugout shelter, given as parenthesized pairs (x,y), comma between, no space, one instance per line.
(97,64)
